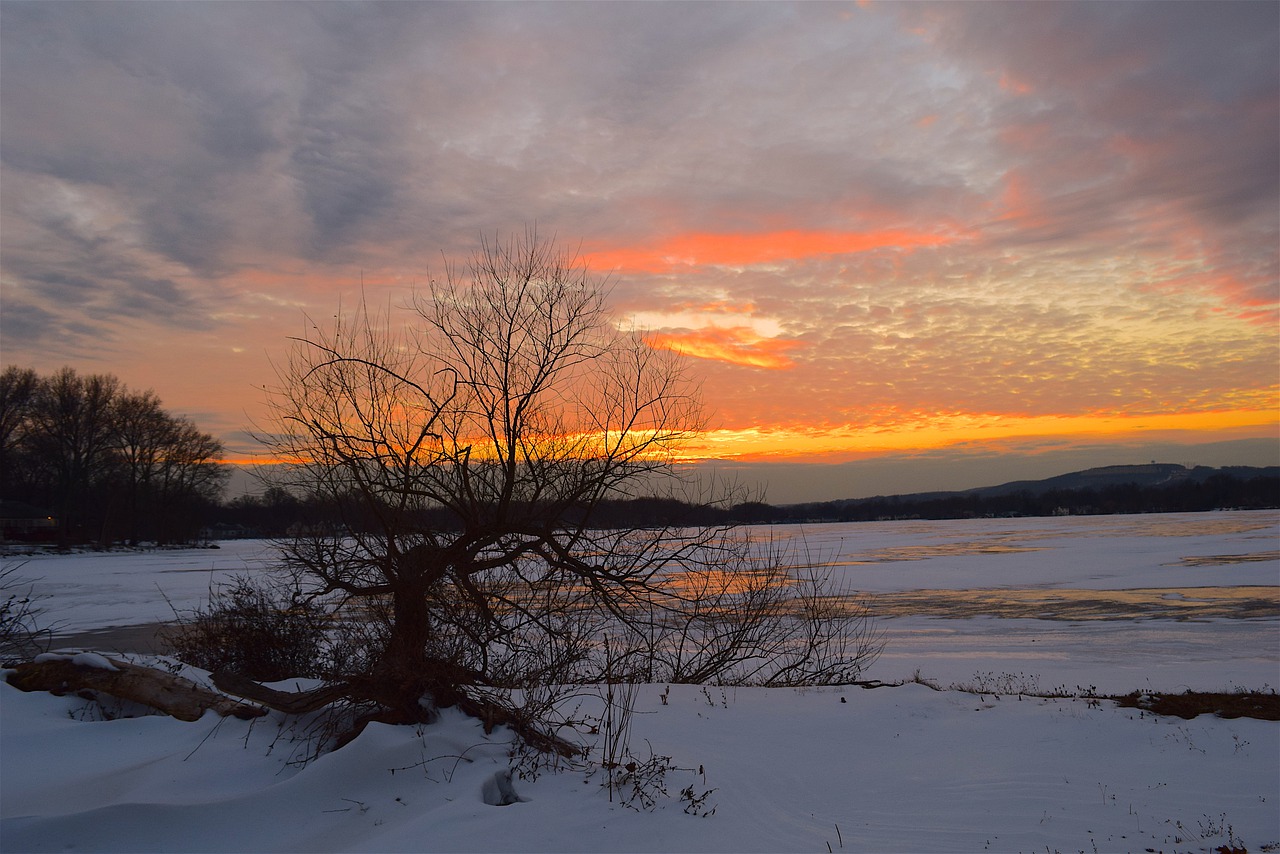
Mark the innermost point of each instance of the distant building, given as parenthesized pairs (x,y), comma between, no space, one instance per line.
(22,523)
(225,531)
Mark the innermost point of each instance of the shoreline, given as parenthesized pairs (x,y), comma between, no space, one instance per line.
(141,639)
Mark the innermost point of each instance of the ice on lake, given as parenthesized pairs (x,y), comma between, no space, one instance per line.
(1162,601)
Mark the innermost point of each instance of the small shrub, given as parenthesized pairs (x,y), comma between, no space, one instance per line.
(264,630)
(21,636)
(695,804)
(639,784)
(1000,684)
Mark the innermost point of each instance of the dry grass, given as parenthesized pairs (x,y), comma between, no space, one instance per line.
(1234,704)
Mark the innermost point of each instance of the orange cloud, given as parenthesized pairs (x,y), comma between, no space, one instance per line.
(737,345)
(717,307)
(1248,294)
(743,250)
(1019,202)
(1009,83)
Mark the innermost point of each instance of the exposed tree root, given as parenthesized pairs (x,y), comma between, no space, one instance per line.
(289,702)
(489,713)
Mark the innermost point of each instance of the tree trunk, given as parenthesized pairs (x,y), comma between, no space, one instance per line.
(404,676)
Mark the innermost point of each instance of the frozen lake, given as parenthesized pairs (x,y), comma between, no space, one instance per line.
(1164,602)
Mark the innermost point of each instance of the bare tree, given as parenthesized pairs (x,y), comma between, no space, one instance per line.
(468,449)
(70,441)
(109,461)
(167,466)
(187,474)
(139,426)
(17,392)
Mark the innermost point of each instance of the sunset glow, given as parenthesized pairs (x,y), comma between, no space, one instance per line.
(745,250)
(849,443)
(737,345)
(1022,232)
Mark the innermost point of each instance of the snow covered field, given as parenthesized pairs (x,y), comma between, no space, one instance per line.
(1120,603)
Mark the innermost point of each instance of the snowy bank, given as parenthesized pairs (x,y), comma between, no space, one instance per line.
(892,769)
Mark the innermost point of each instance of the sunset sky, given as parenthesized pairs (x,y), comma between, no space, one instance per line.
(909,246)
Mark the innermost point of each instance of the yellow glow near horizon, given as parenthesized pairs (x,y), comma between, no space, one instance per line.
(797,444)
(844,443)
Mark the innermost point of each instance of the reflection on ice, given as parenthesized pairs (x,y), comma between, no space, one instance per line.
(1199,603)
(939,550)
(1161,602)
(1224,560)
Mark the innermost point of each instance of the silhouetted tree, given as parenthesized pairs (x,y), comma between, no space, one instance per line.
(108,462)
(17,392)
(187,477)
(69,441)
(511,408)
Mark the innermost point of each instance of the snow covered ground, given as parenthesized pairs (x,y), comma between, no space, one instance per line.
(1121,603)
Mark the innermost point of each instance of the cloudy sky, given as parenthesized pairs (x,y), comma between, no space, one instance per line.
(967,237)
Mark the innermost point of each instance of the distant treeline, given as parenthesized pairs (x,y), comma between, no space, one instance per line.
(85,459)
(278,512)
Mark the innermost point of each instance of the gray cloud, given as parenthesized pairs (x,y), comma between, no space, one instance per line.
(1194,86)
(1092,165)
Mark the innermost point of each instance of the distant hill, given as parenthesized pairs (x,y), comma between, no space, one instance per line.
(1152,487)
(1144,475)
(1152,474)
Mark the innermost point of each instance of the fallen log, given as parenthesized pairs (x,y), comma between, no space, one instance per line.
(165,692)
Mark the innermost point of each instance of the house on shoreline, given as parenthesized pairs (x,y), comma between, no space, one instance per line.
(22,523)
